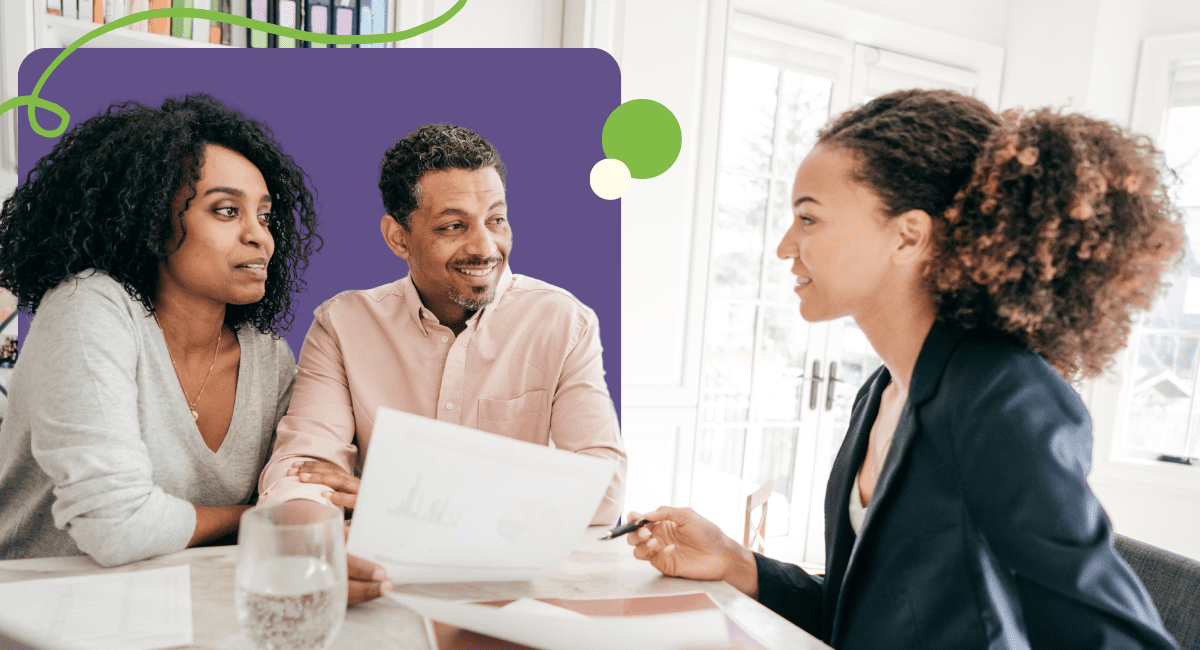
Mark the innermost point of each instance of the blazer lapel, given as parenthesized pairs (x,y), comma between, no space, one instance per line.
(927,375)
(839,536)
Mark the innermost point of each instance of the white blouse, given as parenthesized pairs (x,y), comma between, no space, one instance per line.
(858,512)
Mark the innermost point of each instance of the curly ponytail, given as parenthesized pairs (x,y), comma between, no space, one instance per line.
(1061,235)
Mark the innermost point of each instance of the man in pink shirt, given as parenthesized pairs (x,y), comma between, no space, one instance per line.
(461,339)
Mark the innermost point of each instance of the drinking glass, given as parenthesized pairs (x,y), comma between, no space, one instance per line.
(290,588)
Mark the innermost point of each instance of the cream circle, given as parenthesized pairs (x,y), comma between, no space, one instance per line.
(610,179)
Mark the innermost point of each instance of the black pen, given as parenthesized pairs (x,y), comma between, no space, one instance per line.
(627,528)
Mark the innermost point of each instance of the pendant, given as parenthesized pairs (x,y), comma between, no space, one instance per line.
(195,416)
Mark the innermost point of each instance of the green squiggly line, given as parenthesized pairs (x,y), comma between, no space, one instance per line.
(34,101)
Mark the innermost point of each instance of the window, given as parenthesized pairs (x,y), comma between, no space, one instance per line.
(1160,417)
(776,391)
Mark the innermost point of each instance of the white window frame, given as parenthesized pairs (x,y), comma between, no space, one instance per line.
(764,31)
(1159,58)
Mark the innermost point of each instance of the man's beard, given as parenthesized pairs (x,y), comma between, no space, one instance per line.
(476,301)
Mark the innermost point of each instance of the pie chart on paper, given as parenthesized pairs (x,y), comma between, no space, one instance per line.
(529,522)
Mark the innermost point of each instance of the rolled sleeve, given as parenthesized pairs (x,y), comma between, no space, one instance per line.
(319,424)
(86,436)
(582,417)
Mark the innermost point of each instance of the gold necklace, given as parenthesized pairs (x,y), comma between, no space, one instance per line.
(192,403)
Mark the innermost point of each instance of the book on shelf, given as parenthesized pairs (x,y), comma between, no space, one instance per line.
(288,13)
(258,10)
(345,19)
(133,7)
(200,26)
(372,19)
(317,18)
(158,25)
(180,27)
(113,9)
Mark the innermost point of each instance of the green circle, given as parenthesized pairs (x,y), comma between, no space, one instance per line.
(644,135)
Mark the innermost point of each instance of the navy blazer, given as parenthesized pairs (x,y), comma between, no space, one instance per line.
(982,531)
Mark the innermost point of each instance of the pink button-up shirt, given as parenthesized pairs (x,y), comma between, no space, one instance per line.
(527,366)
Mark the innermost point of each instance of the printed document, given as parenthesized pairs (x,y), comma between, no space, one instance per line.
(131,610)
(548,630)
(444,503)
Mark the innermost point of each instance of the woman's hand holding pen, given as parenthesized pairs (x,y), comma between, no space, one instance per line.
(344,485)
(686,545)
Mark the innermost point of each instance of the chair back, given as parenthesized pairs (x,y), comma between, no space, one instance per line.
(1173,582)
(756,534)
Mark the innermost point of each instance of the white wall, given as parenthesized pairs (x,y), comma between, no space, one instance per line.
(485,23)
(1172,17)
(979,20)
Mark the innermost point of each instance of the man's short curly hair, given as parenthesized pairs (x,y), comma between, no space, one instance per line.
(102,199)
(430,148)
(1052,229)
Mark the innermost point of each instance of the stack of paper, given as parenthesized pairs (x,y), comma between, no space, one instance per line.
(133,610)
(665,622)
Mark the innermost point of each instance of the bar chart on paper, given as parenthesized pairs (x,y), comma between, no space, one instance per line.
(443,503)
(528,522)
(438,512)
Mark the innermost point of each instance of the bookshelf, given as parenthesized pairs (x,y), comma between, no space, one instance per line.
(61,32)
(26,26)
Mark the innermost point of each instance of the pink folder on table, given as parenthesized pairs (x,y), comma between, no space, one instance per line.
(449,637)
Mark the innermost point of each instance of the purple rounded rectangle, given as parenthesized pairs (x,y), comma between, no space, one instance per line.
(336,111)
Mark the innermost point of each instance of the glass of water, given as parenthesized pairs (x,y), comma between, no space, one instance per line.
(291,575)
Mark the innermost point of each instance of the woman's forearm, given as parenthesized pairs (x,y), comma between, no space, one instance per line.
(742,569)
(214,521)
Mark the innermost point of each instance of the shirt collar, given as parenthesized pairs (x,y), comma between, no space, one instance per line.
(421,315)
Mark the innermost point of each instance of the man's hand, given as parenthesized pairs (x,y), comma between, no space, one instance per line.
(367,580)
(344,484)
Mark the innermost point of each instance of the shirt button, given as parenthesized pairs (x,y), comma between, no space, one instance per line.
(449,406)
(445,338)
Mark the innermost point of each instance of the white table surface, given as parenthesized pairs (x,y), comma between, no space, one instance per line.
(594,569)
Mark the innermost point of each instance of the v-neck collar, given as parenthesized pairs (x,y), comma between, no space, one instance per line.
(845,545)
(195,439)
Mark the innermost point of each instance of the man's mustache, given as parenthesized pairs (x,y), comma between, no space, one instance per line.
(478,261)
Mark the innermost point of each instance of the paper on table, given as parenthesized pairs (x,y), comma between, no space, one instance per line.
(531,606)
(705,628)
(132,610)
(444,503)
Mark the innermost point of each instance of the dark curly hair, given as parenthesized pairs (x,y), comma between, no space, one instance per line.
(1049,229)
(102,199)
(429,148)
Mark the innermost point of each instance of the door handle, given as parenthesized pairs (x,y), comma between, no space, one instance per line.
(829,387)
(816,384)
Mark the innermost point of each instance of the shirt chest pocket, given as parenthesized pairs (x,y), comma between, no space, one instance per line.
(524,418)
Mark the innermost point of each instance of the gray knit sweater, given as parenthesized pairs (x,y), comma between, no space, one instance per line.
(99,454)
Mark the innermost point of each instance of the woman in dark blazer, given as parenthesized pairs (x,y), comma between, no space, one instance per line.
(987,259)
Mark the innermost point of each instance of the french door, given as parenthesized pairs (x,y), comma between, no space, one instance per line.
(776,392)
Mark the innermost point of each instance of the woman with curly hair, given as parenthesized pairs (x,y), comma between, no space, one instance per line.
(159,249)
(988,259)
